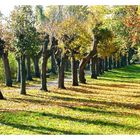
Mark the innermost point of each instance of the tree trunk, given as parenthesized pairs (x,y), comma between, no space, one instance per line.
(94,68)
(8,79)
(123,60)
(114,61)
(36,66)
(106,63)
(61,73)
(45,56)
(88,66)
(97,67)
(23,75)
(1,96)
(67,65)
(118,63)
(110,62)
(102,65)
(127,63)
(28,66)
(53,64)
(74,71)
(43,75)
(18,69)
(85,60)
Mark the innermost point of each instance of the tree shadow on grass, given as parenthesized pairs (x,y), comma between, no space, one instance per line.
(39,129)
(35,101)
(101,86)
(79,90)
(86,102)
(111,88)
(119,104)
(117,80)
(47,130)
(87,121)
(102,112)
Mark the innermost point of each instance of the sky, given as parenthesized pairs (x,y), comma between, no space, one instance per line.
(6,9)
(7,5)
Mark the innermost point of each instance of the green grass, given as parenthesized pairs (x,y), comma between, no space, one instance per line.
(126,74)
(108,105)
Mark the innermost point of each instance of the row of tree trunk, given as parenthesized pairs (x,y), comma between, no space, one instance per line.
(99,65)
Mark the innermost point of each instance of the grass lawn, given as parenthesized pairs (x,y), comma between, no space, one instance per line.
(108,105)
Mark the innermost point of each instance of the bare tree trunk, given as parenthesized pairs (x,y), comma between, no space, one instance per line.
(18,69)
(110,62)
(61,73)
(114,61)
(74,71)
(98,66)
(43,75)
(106,63)
(23,75)
(53,64)
(118,63)
(45,56)
(28,66)
(8,79)
(54,43)
(67,65)
(36,66)
(85,60)
(102,65)
(92,69)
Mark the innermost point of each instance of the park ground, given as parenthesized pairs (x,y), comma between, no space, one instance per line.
(108,105)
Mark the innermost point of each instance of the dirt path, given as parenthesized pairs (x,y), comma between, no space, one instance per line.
(37,86)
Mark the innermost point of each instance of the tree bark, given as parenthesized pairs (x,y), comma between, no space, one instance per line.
(114,61)
(102,65)
(118,63)
(28,66)
(36,66)
(54,44)
(53,64)
(74,71)
(67,65)
(127,63)
(43,75)
(23,75)
(106,63)
(97,67)
(8,78)
(45,56)
(110,62)
(85,60)
(94,68)
(61,74)
(18,70)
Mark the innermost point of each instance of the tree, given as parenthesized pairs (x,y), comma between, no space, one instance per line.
(96,16)
(5,37)
(22,26)
(45,56)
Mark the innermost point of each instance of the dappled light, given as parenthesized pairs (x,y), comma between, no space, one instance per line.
(70,69)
